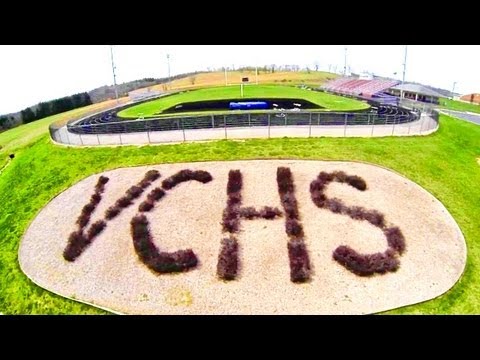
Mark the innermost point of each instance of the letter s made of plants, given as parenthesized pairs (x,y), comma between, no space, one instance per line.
(359,264)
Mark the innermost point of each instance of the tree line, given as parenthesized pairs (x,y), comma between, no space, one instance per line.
(6,122)
(54,107)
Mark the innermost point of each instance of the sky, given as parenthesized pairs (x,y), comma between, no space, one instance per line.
(30,74)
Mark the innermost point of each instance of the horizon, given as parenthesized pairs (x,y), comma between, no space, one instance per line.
(58,71)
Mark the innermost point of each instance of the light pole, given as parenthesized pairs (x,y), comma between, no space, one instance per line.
(453,89)
(345,63)
(114,76)
(168,64)
(404,69)
(256,74)
(226,79)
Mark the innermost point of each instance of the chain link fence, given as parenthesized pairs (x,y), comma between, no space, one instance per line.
(100,131)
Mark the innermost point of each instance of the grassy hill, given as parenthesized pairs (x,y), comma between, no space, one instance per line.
(16,139)
(311,78)
(444,163)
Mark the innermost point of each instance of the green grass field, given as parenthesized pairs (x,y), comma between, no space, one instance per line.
(15,139)
(444,163)
(459,105)
(328,101)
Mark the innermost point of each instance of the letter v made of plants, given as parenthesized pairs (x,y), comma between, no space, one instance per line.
(79,240)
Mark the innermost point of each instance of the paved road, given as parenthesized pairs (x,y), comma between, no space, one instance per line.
(467,116)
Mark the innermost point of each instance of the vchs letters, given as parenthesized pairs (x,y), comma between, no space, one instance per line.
(234,213)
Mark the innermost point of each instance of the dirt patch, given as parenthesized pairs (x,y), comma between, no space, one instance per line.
(110,274)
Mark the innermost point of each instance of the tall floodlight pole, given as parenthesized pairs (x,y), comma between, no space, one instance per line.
(453,89)
(114,76)
(256,74)
(168,64)
(345,63)
(404,69)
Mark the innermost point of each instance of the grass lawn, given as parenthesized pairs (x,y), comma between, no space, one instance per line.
(328,101)
(16,138)
(444,163)
(459,105)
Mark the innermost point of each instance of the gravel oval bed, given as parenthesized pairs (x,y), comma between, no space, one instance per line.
(110,275)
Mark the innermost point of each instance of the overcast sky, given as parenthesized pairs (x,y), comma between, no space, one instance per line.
(30,74)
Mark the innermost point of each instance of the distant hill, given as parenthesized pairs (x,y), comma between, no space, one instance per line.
(107,92)
(97,95)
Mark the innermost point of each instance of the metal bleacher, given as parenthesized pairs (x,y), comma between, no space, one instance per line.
(358,87)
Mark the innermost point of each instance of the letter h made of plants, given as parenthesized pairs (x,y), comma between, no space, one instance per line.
(234,212)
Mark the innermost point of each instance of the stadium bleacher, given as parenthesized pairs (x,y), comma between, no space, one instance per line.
(367,89)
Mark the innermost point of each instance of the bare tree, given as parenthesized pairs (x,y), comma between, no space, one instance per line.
(192,79)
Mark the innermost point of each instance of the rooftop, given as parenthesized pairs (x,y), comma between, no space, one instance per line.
(417,88)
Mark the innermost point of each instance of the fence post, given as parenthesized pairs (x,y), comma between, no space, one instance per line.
(148,131)
(285,119)
(393,128)
(68,138)
(269,126)
(248,119)
(225,125)
(373,125)
(310,127)
(345,128)
(318,118)
(81,140)
(120,135)
(213,122)
(61,141)
(183,129)
(421,124)
(98,139)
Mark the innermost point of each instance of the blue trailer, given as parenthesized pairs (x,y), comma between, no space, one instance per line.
(248,105)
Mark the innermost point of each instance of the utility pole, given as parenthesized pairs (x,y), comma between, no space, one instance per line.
(345,64)
(404,69)
(256,74)
(114,76)
(226,79)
